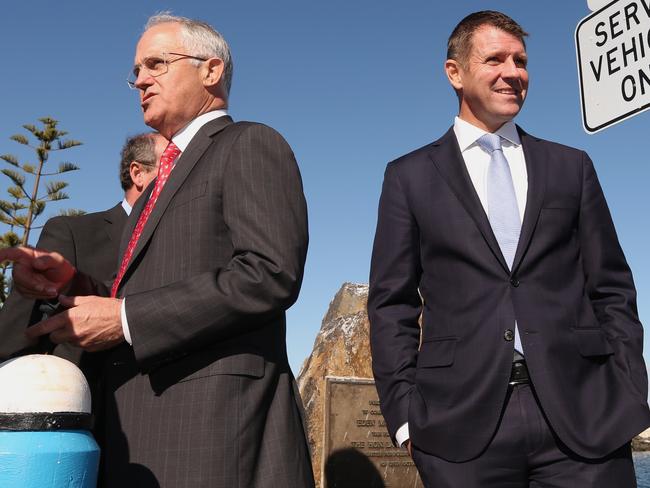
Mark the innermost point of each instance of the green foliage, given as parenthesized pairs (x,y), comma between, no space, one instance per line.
(38,209)
(15,176)
(9,158)
(20,139)
(23,206)
(72,212)
(18,192)
(68,144)
(66,166)
(55,186)
(9,239)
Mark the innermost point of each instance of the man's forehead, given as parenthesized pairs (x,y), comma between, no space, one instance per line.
(159,38)
(488,38)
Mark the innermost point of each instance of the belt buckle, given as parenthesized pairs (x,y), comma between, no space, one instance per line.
(519,374)
(518,382)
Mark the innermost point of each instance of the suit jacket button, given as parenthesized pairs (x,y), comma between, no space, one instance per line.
(514,282)
(508,335)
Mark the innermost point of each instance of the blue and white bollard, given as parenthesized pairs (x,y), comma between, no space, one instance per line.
(44,425)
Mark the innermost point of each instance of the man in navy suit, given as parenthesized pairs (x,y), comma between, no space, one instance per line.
(528,367)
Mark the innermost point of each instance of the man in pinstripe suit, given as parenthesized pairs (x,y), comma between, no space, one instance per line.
(199,390)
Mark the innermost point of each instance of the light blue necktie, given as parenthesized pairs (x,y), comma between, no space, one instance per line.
(503,211)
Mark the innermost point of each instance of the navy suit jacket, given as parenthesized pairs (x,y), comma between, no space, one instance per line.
(570,290)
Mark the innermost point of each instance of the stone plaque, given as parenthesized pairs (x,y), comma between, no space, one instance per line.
(357,450)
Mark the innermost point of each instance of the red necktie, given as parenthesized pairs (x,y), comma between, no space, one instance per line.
(165,168)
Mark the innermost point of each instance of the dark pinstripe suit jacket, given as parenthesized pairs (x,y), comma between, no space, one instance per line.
(205,397)
(91,243)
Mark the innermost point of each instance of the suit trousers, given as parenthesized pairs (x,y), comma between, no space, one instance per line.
(525,453)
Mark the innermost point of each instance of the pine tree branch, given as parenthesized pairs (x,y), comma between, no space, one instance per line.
(55,186)
(20,139)
(68,144)
(15,176)
(10,158)
(72,212)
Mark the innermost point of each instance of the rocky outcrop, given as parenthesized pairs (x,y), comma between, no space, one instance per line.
(341,348)
(642,441)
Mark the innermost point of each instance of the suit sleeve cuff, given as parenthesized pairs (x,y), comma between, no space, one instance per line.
(125,323)
(402,434)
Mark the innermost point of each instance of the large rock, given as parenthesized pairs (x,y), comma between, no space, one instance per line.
(341,348)
(642,441)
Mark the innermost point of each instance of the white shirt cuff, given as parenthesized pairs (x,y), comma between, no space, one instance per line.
(402,434)
(125,323)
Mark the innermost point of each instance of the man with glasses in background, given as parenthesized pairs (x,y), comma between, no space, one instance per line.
(199,392)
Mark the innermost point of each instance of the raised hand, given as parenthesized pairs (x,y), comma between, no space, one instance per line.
(38,273)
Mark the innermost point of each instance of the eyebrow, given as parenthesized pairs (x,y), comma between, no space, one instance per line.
(500,52)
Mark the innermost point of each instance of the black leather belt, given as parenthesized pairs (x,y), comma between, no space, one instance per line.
(519,374)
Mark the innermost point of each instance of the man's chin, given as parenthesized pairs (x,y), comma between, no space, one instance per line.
(508,113)
(150,119)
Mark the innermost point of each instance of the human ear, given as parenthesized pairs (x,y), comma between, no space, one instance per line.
(136,174)
(453,70)
(212,71)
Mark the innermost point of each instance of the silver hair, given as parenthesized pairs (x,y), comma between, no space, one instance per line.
(200,39)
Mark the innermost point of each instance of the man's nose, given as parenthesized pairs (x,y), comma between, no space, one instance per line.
(510,70)
(143,80)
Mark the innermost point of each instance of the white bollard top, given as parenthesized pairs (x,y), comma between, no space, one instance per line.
(42,383)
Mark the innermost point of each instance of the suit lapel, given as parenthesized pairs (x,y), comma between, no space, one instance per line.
(133,217)
(114,220)
(536,169)
(449,161)
(184,165)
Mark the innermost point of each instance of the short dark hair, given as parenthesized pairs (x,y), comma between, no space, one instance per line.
(140,148)
(459,44)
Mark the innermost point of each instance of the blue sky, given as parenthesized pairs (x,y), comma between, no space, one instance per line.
(351,86)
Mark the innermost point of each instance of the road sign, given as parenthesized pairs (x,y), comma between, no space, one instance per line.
(597,4)
(613,50)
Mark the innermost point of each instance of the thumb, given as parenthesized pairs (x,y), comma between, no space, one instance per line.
(69,302)
(53,266)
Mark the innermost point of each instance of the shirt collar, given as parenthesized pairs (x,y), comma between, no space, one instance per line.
(126,207)
(467,134)
(183,137)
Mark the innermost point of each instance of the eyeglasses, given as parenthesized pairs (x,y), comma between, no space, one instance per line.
(156,66)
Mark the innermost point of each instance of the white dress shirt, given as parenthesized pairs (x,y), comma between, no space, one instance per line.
(477,161)
(182,139)
(126,206)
